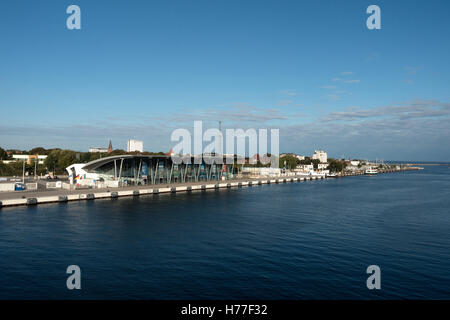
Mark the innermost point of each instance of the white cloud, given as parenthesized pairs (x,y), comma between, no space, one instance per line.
(284,103)
(289,92)
(417,109)
(352,81)
(328,87)
(412,70)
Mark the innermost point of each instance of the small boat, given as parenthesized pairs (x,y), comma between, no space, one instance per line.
(371,171)
(332,175)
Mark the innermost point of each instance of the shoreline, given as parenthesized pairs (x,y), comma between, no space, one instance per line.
(28,198)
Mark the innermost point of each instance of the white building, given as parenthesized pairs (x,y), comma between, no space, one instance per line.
(305,167)
(29,158)
(352,168)
(135,145)
(320,155)
(97,149)
(262,171)
(322,166)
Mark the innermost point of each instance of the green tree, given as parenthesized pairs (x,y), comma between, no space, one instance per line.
(51,162)
(290,161)
(307,160)
(38,150)
(3,154)
(11,169)
(315,162)
(336,165)
(40,168)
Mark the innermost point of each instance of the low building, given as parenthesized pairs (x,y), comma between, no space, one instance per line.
(305,167)
(255,172)
(322,166)
(98,149)
(352,168)
(29,158)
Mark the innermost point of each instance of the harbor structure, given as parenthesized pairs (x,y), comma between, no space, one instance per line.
(63,195)
(123,170)
(63,192)
(255,172)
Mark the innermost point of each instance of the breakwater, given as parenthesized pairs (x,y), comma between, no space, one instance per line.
(30,198)
(91,194)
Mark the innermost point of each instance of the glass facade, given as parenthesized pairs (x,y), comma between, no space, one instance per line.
(153,170)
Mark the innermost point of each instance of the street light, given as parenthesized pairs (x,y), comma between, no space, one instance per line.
(23,172)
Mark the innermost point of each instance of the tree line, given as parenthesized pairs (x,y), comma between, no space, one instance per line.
(57,160)
(291,162)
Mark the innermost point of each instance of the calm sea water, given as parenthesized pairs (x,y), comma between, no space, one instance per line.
(307,240)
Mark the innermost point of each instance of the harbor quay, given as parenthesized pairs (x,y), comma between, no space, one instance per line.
(34,197)
(18,198)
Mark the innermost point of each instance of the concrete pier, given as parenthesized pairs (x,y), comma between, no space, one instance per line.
(37,197)
(34,197)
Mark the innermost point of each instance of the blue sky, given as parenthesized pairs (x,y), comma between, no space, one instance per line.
(139,69)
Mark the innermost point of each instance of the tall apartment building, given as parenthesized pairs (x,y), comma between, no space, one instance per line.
(321,155)
(135,145)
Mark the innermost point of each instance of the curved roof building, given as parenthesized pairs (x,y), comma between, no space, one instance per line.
(144,169)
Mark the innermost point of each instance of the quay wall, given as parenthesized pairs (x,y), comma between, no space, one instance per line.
(92,194)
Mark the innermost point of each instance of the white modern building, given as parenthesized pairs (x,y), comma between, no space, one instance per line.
(98,149)
(135,145)
(130,169)
(320,155)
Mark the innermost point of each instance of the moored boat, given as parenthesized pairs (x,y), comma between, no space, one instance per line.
(371,171)
(332,175)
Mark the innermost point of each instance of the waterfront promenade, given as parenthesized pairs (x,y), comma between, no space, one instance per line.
(34,197)
(60,195)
